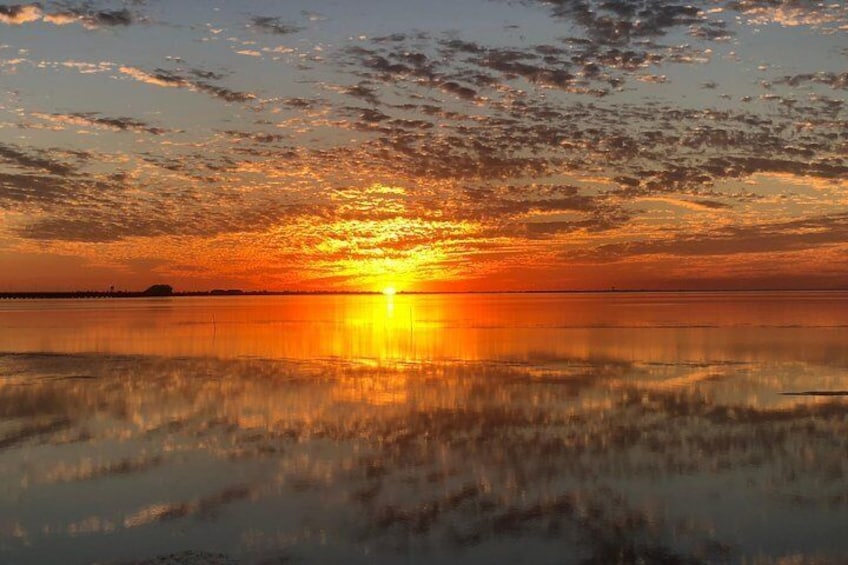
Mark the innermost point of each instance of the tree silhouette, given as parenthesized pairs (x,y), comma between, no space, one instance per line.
(159,290)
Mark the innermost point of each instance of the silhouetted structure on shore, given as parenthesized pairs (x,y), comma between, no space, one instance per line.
(156,290)
(159,290)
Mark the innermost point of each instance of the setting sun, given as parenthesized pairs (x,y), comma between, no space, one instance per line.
(389,291)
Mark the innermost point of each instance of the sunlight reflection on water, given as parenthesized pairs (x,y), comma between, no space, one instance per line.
(486,428)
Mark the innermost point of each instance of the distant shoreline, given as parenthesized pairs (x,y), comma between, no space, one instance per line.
(85,294)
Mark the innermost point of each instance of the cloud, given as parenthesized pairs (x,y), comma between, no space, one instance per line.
(32,189)
(660,149)
(92,119)
(512,148)
(777,237)
(619,22)
(17,14)
(41,192)
(274,25)
(258,137)
(364,91)
(830,16)
(463,68)
(33,160)
(831,79)
(226,94)
(170,79)
(39,182)
(62,18)
(159,78)
(92,19)
(110,18)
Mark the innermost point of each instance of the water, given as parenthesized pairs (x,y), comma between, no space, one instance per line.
(542,428)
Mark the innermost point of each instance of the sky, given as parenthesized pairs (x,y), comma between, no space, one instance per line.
(428,146)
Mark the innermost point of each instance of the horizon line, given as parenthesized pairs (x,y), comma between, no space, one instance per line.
(35,294)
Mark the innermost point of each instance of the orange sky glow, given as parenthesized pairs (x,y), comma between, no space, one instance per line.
(512,146)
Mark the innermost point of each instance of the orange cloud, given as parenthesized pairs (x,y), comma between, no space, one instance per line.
(20,14)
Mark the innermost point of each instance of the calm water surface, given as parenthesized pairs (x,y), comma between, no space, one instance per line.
(545,428)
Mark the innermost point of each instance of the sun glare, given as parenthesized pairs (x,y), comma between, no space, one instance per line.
(389,291)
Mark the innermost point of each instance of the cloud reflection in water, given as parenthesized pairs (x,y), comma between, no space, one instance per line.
(576,447)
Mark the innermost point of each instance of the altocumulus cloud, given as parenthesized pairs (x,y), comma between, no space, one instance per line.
(17,14)
(83,14)
(602,130)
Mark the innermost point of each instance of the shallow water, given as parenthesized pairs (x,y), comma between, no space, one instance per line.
(542,428)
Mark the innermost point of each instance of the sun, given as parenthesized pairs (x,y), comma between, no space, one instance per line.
(389,291)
